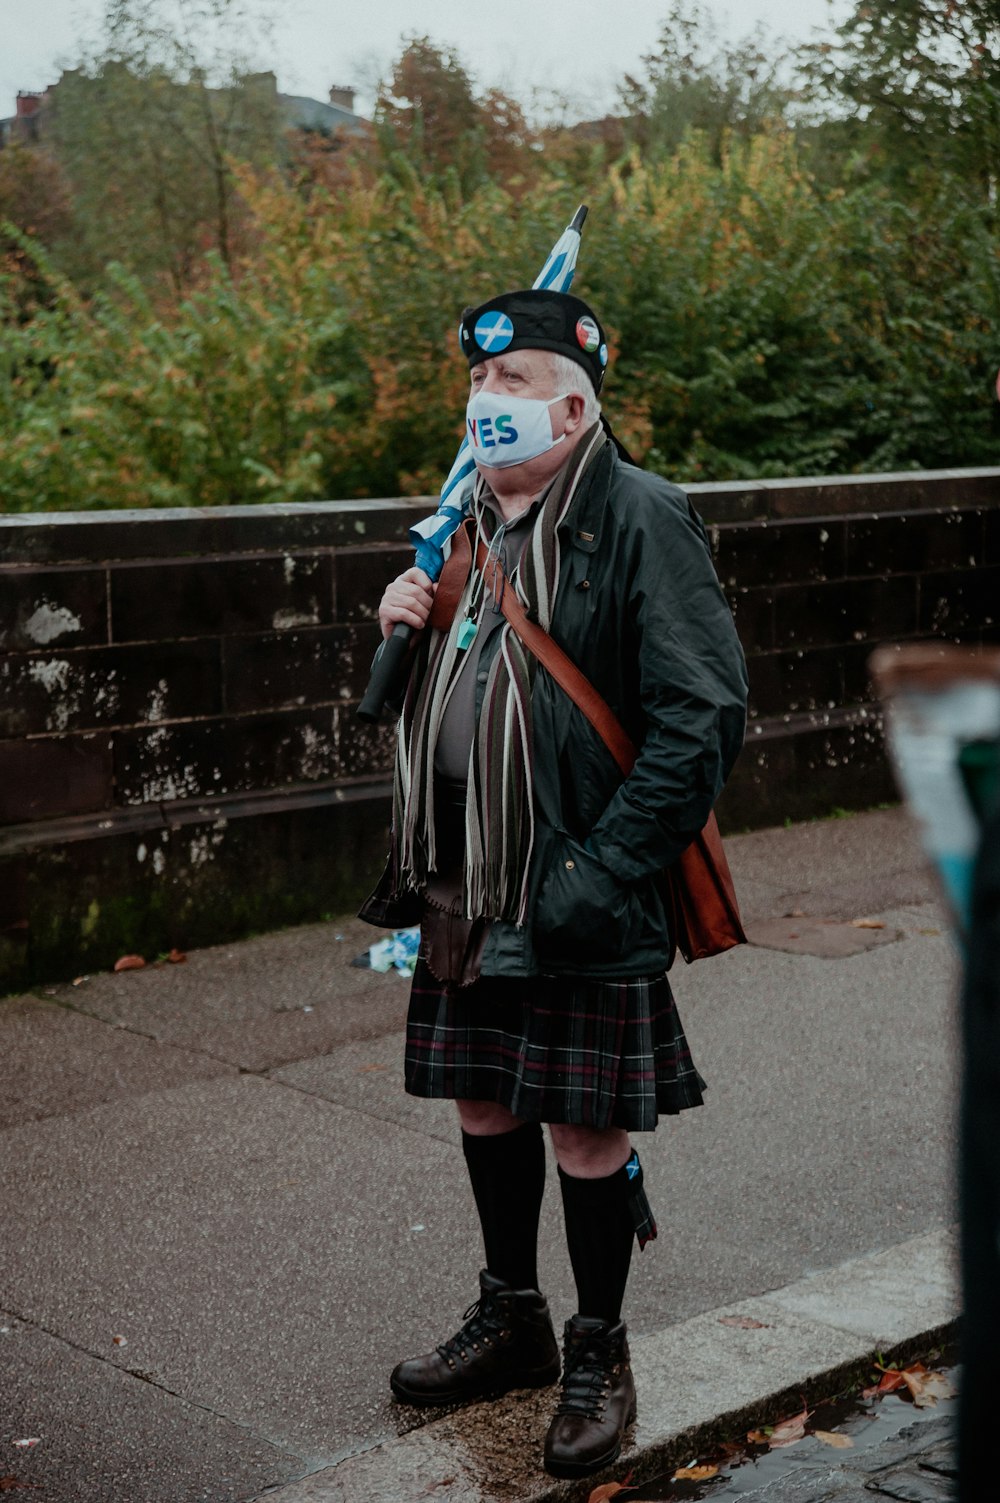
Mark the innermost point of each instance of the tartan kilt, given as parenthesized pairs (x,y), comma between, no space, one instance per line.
(592,1053)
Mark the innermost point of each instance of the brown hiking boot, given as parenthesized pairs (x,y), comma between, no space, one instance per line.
(598,1400)
(506,1341)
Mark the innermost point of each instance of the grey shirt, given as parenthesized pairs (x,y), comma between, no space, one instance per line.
(458,726)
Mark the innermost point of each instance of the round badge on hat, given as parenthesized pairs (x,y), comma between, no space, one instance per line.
(588,335)
(602,354)
(494,332)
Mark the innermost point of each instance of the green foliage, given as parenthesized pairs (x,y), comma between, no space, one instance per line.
(33,191)
(772,330)
(922,80)
(777,303)
(761,329)
(697,81)
(427,110)
(238,395)
(145,130)
(428,116)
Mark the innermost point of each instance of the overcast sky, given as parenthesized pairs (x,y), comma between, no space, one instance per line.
(579,48)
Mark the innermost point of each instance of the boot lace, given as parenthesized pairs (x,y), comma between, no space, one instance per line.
(483,1325)
(587,1377)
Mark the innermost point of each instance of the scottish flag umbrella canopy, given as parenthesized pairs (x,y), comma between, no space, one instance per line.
(431,537)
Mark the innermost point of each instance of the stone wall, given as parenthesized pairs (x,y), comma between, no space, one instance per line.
(179,758)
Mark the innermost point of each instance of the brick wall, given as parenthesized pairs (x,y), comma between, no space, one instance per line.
(179,758)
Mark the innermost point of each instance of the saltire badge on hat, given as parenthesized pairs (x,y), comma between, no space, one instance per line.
(494,332)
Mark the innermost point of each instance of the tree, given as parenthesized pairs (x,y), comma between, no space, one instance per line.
(148,129)
(924,78)
(34,202)
(508,139)
(427,111)
(33,192)
(695,80)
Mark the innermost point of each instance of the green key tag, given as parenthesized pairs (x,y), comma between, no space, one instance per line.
(466,634)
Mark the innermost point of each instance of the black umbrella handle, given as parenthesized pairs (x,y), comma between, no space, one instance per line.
(387,672)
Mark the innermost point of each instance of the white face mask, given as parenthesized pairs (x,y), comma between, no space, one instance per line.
(509,430)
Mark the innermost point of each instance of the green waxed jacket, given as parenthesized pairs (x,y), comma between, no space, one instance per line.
(640,611)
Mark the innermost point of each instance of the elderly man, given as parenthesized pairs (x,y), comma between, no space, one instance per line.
(540,994)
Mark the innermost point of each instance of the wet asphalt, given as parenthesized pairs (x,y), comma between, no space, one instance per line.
(223,1222)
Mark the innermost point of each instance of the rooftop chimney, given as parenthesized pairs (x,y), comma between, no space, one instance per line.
(28,103)
(342,97)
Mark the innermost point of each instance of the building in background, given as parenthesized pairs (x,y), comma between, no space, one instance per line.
(299,112)
(29,114)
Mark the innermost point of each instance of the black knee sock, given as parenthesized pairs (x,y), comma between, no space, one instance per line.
(602,1217)
(507,1171)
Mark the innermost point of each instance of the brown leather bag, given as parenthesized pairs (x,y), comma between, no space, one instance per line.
(698,888)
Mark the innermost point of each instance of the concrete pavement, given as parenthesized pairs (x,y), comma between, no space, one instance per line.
(223,1221)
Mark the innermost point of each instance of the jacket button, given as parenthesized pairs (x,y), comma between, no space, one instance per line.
(482,677)
(584,584)
(570,865)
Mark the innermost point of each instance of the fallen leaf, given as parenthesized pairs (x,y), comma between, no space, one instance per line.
(79,980)
(866,924)
(33,1440)
(928,931)
(9,1484)
(129,963)
(177,957)
(743,1322)
(119,1341)
(834,1438)
(790,1430)
(368,1069)
(605,1491)
(892,1380)
(695,1473)
(926,1387)
(759,1437)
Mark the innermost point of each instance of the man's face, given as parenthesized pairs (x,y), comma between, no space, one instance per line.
(523,373)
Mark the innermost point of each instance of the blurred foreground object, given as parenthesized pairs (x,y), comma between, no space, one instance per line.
(943,730)
(943,709)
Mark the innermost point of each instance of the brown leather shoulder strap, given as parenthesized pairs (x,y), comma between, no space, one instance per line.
(452,579)
(562,668)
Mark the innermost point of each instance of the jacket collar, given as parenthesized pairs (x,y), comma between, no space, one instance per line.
(585,517)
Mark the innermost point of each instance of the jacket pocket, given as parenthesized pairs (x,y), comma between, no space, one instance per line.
(584,915)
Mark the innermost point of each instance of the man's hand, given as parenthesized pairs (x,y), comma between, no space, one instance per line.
(409,599)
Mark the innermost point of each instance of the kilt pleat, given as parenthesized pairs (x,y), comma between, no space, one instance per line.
(589,1052)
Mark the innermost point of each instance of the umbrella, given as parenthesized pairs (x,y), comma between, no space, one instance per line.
(432,536)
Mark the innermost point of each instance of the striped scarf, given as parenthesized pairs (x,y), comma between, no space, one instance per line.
(499,814)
